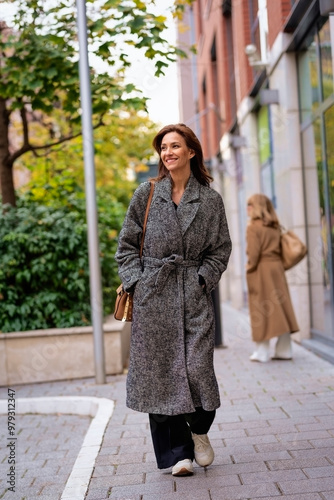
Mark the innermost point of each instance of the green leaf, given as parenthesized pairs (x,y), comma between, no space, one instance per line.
(39,70)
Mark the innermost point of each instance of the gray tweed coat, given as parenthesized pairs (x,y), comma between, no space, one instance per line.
(172,341)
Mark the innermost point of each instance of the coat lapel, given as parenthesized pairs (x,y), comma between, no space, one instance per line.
(189,204)
(163,189)
(166,209)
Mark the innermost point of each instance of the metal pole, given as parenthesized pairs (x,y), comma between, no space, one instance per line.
(91,210)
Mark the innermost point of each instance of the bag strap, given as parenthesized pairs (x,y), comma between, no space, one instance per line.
(146,217)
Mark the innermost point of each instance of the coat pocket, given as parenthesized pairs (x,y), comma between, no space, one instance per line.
(145,288)
(195,296)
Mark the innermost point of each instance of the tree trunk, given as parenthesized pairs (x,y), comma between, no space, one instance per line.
(6,165)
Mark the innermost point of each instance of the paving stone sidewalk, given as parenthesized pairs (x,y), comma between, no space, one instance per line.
(273,435)
(45,451)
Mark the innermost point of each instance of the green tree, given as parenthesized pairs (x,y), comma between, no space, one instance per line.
(39,73)
(124,141)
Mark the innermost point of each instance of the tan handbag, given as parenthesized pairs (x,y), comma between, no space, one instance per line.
(292,248)
(123,305)
(124,300)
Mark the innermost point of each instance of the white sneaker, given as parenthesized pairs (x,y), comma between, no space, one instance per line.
(261,357)
(204,454)
(262,352)
(183,468)
(283,348)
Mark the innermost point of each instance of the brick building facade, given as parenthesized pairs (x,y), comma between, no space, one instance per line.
(259,95)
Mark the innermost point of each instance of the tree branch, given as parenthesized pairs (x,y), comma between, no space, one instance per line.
(29,147)
(23,113)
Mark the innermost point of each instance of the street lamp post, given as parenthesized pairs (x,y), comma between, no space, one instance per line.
(91,210)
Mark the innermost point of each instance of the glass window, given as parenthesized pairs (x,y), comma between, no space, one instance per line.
(315,67)
(326,39)
(265,153)
(308,81)
(254,22)
(258,15)
(329,187)
(229,51)
(320,280)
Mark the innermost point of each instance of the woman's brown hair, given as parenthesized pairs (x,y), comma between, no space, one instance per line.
(196,162)
(263,209)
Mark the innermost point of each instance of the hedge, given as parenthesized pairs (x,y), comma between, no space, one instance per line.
(44,269)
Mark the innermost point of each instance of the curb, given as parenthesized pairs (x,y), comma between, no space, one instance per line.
(101,409)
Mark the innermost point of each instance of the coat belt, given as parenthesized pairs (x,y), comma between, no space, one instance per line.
(270,258)
(166,265)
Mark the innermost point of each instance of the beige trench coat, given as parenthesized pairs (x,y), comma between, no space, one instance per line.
(270,307)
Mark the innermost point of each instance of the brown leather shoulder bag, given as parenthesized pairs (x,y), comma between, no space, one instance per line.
(124,300)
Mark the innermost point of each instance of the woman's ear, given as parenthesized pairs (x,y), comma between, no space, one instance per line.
(191,153)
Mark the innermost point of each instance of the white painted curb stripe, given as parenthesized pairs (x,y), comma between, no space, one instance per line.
(100,409)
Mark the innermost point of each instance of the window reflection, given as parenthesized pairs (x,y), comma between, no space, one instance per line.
(326,36)
(329,185)
(308,81)
(315,71)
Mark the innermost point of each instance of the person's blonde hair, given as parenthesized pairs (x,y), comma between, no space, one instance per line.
(263,209)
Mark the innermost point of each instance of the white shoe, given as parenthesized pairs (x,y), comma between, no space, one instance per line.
(204,454)
(260,357)
(262,353)
(283,348)
(183,468)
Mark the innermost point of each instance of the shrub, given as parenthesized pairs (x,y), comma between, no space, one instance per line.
(44,270)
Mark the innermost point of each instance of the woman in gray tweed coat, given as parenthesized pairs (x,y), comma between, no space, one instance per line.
(186,250)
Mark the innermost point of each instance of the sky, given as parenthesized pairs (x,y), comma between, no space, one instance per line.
(162,91)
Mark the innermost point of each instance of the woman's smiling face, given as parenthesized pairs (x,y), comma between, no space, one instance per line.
(174,153)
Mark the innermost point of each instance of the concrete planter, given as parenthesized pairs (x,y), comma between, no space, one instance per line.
(60,353)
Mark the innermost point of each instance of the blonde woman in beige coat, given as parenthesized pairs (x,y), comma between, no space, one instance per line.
(270,307)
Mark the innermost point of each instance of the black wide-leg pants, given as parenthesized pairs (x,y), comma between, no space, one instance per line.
(171,435)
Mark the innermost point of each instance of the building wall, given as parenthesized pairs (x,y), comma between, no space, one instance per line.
(234,145)
(187,77)
(211,68)
(278,13)
(241,30)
